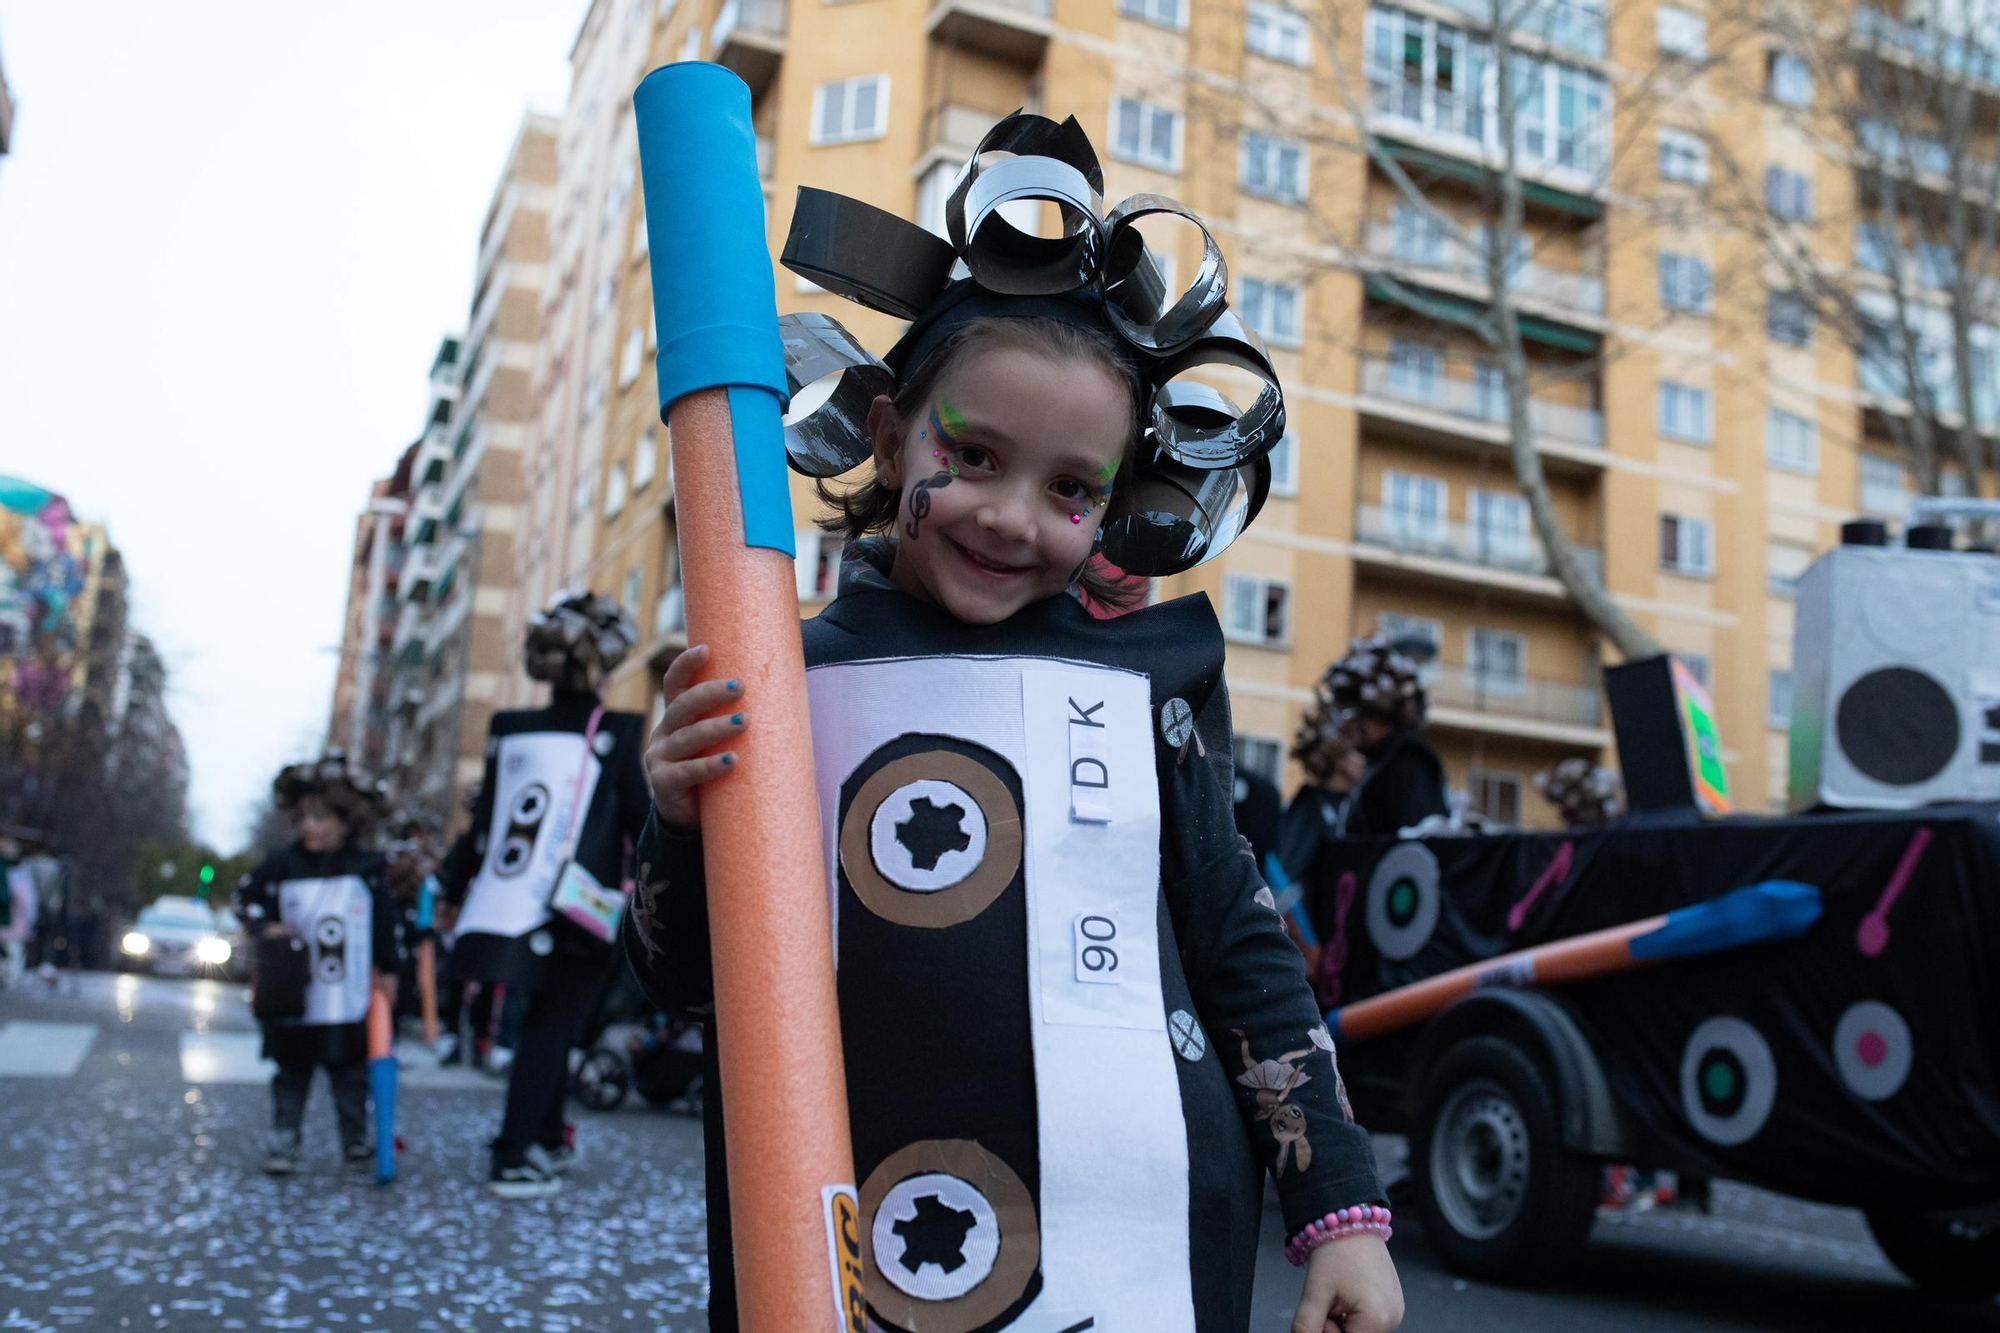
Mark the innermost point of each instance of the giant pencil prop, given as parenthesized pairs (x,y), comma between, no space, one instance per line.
(1775,910)
(382,1084)
(723,391)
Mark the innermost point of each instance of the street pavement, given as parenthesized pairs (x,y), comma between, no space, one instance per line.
(132,1114)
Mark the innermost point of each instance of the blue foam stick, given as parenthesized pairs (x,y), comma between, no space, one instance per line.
(1291,902)
(1777,909)
(382,1088)
(715,303)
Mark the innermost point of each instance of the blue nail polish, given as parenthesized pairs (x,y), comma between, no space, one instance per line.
(735,685)
(736,719)
(728,760)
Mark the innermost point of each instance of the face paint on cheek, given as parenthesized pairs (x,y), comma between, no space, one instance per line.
(947,419)
(920,499)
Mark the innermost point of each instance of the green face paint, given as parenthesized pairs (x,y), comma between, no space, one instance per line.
(1107,472)
(954,424)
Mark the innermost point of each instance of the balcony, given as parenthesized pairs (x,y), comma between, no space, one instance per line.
(1977,61)
(1420,544)
(1016,31)
(749,38)
(1468,698)
(951,131)
(1428,256)
(1567,27)
(1441,408)
(1574,157)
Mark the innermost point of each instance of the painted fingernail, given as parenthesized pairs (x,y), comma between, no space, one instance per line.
(728,760)
(736,719)
(735,685)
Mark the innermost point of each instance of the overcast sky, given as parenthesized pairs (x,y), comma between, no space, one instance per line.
(231,235)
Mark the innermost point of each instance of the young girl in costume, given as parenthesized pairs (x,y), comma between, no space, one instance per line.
(562,797)
(329,893)
(1075,1032)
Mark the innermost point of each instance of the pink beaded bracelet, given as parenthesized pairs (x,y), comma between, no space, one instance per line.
(1361,1219)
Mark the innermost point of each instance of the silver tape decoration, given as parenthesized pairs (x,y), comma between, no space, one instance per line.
(1135,290)
(1022,134)
(1012,262)
(833,438)
(865,254)
(1210,432)
(1170,518)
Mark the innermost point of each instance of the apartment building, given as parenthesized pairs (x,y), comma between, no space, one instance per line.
(1698,445)
(364,682)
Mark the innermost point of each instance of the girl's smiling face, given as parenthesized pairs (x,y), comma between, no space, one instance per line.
(1004,479)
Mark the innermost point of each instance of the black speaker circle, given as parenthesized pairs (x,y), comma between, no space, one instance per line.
(1897,725)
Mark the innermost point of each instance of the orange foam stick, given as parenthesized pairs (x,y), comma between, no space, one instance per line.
(379,1025)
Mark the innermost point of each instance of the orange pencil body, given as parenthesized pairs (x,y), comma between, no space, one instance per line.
(427,989)
(378,1025)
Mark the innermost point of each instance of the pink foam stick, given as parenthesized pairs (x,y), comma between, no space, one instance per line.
(1873,936)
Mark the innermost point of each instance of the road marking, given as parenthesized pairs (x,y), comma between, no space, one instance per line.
(31,1049)
(224,1057)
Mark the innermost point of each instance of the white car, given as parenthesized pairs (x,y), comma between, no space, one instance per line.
(177,937)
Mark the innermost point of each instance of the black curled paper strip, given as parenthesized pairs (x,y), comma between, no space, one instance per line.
(1135,289)
(1209,432)
(1002,258)
(1167,518)
(867,255)
(833,437)
(1023,135)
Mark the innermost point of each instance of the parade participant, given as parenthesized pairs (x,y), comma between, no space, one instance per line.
(327,894)
(1382,703)
(1004,778)
(539,872)
(1318,810)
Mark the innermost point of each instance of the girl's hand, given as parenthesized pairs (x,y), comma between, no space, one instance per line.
(1351,1287)
(675,764)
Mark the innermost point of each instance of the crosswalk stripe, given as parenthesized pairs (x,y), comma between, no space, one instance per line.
(224,1057)
(33,1049)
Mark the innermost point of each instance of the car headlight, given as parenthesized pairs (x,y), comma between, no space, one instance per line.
(135,944)
(211,951)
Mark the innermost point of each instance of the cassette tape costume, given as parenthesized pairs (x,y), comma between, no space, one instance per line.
(1075,1032)
(540,873)
(326,929)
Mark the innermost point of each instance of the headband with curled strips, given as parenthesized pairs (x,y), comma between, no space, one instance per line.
(1202,469)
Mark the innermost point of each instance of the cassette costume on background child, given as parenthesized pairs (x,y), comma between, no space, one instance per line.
(312,981)
(540,873)
(1073,1026)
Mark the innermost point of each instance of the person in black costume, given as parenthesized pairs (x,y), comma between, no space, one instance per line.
(329,893)
(1318,810)
(1382,702)
(563,793)
(1257,804)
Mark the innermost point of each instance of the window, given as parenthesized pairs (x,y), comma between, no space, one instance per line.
(1783,563)
(1500,525)
(1257,610)
(1687,545)
(1521,249)
(1698,667)
(1681,33)
(1788,78)
(634,584)
(1146,134)
(669,613)
(580,502)
(1418,234)
(1935,265)
(607,292)
(1498,660)
(1415,369)
(1166,13)
(642,240)
(1285,465)
(1262,755)
(1274,310)
(593,395)
(1489,391)
(1683,157)
(619,192)
(691,45)
(1884,489)
(817,565)
(1788,194)
(1686,413)
(645,461)
(632,357)
(1415,505)
(1495,797)
(1791,441)
(1788,318)
(851,109)
(1684,282)
(614,490)
(1872,247)
(1400,628)
(1272,167)
(1778,698)
(1277,32)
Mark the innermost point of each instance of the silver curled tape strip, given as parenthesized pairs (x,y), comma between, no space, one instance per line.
(1167,518)
(1022,134)
(1012,262)
(833,437)
(1135,289)
(865,254)
(1200,433)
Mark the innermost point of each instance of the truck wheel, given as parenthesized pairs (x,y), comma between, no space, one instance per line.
(1500,1196)
(1939,1252)
(601,1080)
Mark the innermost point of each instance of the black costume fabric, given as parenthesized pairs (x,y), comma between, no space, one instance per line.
(1226,964)
(617,810)
(1404,786)
(1257,805)
(259,899)
(1858,1064)
(1314,815)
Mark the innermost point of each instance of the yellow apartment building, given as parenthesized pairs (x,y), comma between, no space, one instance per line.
(1699,449)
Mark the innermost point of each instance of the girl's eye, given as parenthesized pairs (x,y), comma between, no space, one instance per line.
(972,456)
(1069,488)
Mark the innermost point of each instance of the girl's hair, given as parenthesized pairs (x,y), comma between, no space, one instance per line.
(868,506)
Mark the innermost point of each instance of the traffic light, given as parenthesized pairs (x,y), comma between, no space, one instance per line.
(207,878)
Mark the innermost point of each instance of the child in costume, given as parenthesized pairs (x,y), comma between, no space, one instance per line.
(1381,701)
(1075,1032)
(329,892)
(563,795)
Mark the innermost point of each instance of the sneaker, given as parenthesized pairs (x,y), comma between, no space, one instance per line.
(448,1049)
(359,1154)
(522,1180)
(555,1161)
(282,1155)
(498,1059)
